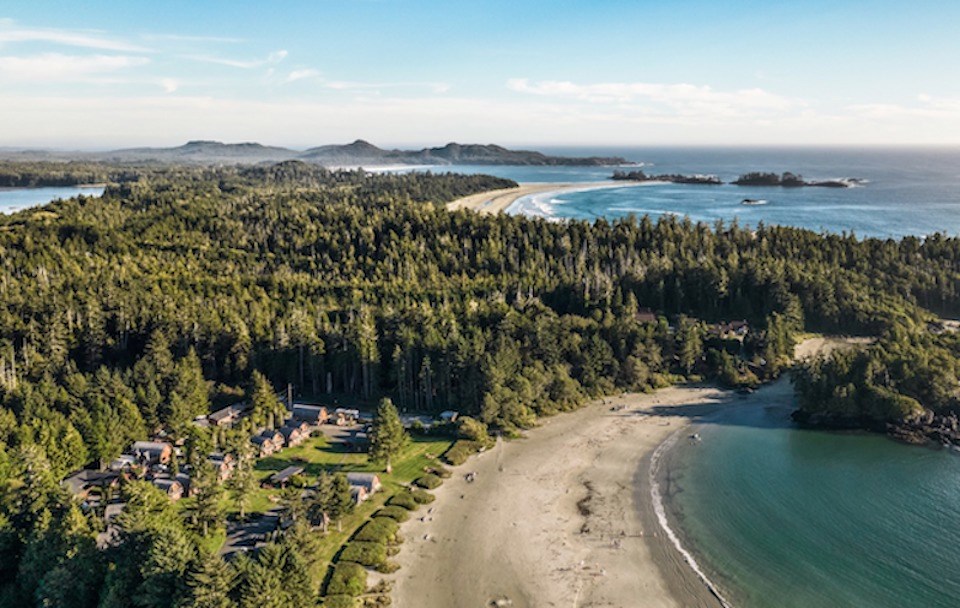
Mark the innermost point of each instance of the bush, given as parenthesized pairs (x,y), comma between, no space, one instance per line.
(460,451)
(348,578)
(378,530)
(398,513)
(339,601)
(428,481)
(404,500)
(388,567)
(422,497)
(371,555)
(473,430)
(440,472)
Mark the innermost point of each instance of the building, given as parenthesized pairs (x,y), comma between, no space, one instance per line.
(346,416)
(263,445)
(358,494)
(152,452)
(293,435)
(82,483)
(449,416)
(280,478)
(171,487)
(370,482)
(311,414)
(645,315)
(223,463)
(229,415)
(123,462)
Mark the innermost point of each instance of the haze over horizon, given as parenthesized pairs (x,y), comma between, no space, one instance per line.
(519,74)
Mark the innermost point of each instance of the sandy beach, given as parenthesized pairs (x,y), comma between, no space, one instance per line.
(562,517)
(497,201)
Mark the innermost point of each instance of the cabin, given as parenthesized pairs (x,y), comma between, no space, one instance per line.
(358,494)
(293,435)
(346,417)
(223,463)
(645,315)
(82,483)
(449,416)
(123,462)
(264,445)
(152,452)
(229,415)
(311,414)
(370,482)
(171,487)
(280,478)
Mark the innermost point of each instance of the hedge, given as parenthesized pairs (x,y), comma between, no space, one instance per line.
(347,579)
(404,500)
(428,481)
(439,471)
(423,497)
(339,601)
(378,530)
(460,451)
(398,513)
(371,555)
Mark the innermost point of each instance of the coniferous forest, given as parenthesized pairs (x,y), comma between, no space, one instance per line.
(145,308)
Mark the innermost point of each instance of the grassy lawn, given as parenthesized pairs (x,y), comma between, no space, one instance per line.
(318,454)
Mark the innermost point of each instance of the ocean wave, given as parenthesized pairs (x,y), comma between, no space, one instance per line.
(657,498)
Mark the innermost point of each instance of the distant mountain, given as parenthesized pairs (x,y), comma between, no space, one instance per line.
(358,153)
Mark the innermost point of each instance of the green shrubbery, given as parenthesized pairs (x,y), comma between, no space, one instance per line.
(339,601)
(378,530)
(369,554)
(348,578)
(439,471)
(460,451)
(428,481)
(400,514)
(422,497)
(404,500)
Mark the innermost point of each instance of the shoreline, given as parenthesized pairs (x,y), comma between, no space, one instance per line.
(498,201)
(562,515)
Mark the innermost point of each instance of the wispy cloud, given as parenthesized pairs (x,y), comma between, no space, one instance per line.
(11,33)
(296,75)
(169,85)
(346,85)
(185,38)
(271,59)
(57,67)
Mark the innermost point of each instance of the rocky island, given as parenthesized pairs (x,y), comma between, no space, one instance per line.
(791,180)
(673,178)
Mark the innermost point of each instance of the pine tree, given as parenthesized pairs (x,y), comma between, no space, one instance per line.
(210,581)
(388,437)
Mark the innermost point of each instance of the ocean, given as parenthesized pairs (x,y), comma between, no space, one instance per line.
(780,517)
(907,191)
(17,199)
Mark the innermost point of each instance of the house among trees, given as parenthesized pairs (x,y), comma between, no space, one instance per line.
(449,416)
(346,416)
(369,482)
(171,487)
(294,432)
(123,462)
(646,315)
(311,414)
(734,330)
(152,452)
(264,445)
(280,478)
(223,463)
(229,415)
(82,483)
(358,494)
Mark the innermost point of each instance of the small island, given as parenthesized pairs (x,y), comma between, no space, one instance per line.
(792,180)
(673,178)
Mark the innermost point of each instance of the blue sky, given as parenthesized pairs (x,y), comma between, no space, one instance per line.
(403,72)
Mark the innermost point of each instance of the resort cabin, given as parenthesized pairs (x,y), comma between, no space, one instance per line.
(264,445)
(311,414)
(273,435)
(733,330)
(223,463)
(280,478)
(171,487)
(449,416)
(370,482)
(152,452)
(358,494)
(228,416)
(346,416)
(645,315)
(82,483)
(293,435)
(123,462)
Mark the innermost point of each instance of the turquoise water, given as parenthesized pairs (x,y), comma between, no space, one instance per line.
(909,191)
(16,199)
(781,517)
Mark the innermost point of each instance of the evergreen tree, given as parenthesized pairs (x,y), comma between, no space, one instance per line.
(387,437)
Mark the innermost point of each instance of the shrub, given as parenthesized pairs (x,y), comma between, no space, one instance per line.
(440,472)
(422,497)
(404,500)
(371,555)
(339,601)
(347,579)
(400,514)
(388,567)
(460,451)
(473,430)
(428,481)
(378,530)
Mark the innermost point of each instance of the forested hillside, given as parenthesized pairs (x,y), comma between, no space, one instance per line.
(131,313)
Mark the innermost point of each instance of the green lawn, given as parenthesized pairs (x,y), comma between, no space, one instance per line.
(318,454)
